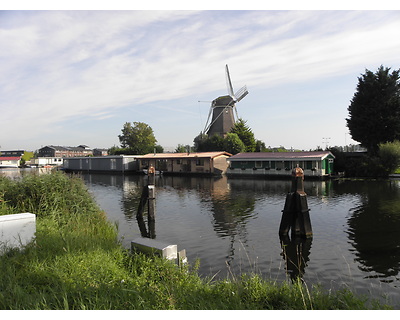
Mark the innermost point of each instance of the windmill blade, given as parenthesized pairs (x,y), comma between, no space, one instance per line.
(241,93)
(237,115)
(229,82)
(208,119)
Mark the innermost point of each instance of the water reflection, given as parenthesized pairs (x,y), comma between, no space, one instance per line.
(374,228)
(296,253)
(229,208)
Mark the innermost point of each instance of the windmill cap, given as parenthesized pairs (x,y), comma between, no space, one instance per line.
(223,101)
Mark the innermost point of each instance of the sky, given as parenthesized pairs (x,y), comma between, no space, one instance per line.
(75,76)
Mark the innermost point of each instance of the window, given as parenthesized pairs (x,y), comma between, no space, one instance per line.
(145,163)
(199,162)
(258,164)
(113,164)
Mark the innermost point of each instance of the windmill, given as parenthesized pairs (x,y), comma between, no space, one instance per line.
(223,109)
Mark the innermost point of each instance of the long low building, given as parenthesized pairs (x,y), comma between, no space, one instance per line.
(119,163)
(209,163)
(314,163)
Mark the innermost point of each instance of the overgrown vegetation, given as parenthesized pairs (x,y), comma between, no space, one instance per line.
(386,161)
(76,262)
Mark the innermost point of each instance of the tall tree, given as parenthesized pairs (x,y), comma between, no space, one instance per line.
(374,112)
(245,134)
(137,138)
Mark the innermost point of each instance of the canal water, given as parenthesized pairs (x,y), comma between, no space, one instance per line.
(231,227)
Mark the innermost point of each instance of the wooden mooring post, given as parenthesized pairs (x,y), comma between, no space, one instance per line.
(295,214)
(148,197)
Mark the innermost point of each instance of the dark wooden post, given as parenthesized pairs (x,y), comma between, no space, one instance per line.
(151,194)
(295,214)
(148,197)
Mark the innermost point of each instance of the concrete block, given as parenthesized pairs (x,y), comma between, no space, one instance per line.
(16,230)
(151,246)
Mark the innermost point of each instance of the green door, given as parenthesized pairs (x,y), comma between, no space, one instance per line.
(328,165)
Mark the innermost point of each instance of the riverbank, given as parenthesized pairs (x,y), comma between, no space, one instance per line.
(77,262)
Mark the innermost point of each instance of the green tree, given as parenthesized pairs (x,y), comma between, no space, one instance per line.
(158,149)
(260,146)
(137,138)
(245,134)
(374,111)
(182,148)
(26,156)
(203,143)
(199,142)
(389,155)
(233,144)
(114,150)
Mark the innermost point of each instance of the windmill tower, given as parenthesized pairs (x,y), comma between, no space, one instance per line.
(223,109)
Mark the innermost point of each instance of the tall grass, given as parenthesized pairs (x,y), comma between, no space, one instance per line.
(76,262)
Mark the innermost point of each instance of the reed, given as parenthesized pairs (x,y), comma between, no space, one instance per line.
(77,263)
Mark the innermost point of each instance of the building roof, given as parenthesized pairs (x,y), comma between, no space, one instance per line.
(61,148)
(186,155)
(119,156)
(257,156)
(9,158)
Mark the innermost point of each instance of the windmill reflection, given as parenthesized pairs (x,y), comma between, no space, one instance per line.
(231,211)
(296,253)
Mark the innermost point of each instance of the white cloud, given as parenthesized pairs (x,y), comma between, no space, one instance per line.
(58,65)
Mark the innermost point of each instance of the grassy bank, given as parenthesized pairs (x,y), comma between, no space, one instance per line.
(76,262)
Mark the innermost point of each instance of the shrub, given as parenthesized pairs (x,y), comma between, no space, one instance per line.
(389,154)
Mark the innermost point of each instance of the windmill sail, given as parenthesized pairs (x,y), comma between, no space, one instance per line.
(229,82)
(223,119)
(241,93)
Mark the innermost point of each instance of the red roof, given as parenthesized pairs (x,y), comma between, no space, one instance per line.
(9,158)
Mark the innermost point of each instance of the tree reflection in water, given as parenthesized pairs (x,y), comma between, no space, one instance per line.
(374,229)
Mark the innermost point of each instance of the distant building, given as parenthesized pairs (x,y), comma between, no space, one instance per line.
(210,163)
(11,158)
(100,152)
(10,162)
(46,161)
(120,163)
(313,163)
(64,152)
